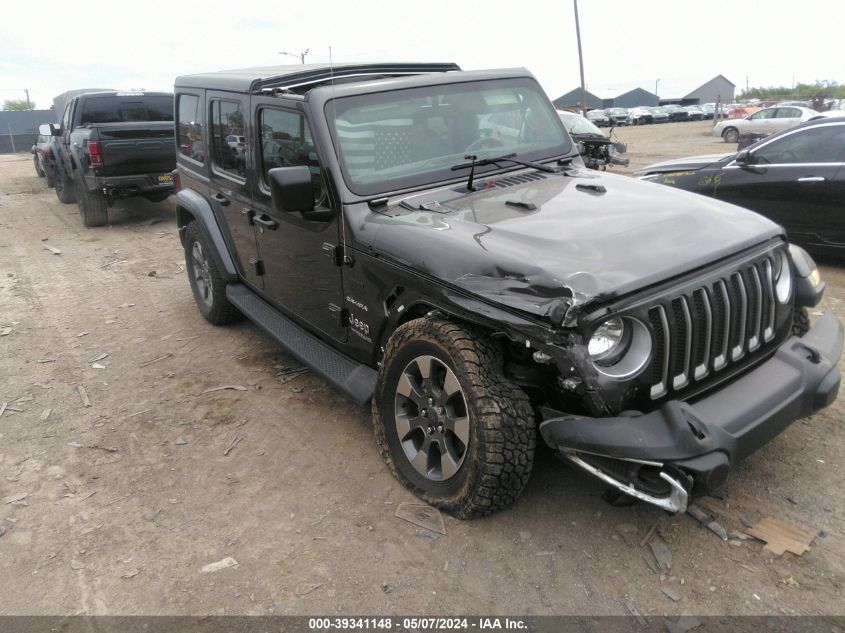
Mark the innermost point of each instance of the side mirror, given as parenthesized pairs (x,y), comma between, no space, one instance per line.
(291,189)
(55,130)
(745,160)
(45,130)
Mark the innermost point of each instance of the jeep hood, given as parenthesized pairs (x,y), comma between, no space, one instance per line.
(559,241)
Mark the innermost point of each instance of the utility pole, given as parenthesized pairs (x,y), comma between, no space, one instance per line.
(656,81)
(300,56)
(28,103)
(580,61)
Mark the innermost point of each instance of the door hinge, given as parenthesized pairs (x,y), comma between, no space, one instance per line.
(339,315)
(257,265)
(333,252)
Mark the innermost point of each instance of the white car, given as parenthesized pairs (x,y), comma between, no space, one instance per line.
(766,121)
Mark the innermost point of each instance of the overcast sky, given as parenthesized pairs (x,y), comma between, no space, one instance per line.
(53,46)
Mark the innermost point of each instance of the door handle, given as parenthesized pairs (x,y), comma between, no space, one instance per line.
(266,222)
(221,199)
(811,179)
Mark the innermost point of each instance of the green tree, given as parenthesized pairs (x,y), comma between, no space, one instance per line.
(18,105)
(817,92)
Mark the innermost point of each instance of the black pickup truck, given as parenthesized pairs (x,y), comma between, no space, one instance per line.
(430,241)
(111,145)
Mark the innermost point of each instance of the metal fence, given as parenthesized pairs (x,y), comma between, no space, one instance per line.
(11,143)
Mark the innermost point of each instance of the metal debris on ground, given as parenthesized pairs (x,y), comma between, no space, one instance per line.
(155,360)
(5,331)
(52,249)
(97,366)
(662,554)
(635,613)
(83,395)
(224,387)
(672,593)
(422,515)
(3,408)
(648,535)
(705,520)
(781,537)
(98,357)
(130,574)
(221,564)
(235,441)
(180,441)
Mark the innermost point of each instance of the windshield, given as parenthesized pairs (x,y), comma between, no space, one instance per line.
(403,138)
(576,124)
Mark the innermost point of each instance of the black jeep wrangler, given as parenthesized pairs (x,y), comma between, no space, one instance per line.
(429,240)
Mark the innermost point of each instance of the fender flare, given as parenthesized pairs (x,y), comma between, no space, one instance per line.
(191,206)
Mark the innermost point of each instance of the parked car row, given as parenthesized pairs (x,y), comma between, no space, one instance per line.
(642,115)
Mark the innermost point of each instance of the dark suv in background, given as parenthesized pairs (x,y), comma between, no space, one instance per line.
(430,241)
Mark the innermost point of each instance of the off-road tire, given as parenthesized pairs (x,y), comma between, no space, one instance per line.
(93,207)
(50,174)
(730,135)
(214,306)
(500,452)
(65,190)
(800,322)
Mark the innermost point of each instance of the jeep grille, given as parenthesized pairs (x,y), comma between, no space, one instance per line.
(712,326)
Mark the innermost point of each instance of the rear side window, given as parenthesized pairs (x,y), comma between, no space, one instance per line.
(126,109)
(189,131)
(227,120)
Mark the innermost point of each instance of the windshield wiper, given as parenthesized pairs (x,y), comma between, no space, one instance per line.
(510,158)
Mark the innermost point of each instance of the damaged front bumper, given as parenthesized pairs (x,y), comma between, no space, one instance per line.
(685,448)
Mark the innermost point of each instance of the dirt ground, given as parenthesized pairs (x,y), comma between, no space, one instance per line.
(114,508)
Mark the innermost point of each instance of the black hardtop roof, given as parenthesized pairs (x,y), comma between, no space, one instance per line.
(255,79)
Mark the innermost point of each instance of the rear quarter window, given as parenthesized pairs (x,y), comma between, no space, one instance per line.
(189,132)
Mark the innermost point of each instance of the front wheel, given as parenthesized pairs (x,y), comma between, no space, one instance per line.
(451,427)
(731,135)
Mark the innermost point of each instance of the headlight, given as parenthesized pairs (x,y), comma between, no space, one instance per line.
(606,343)
(620,347)
(783,277)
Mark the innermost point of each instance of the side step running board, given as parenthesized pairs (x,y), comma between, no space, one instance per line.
(356,380)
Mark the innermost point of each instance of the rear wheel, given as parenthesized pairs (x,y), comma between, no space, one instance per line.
(64,188)
(452,428)
(731,135)
(207,284)
(93,207)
